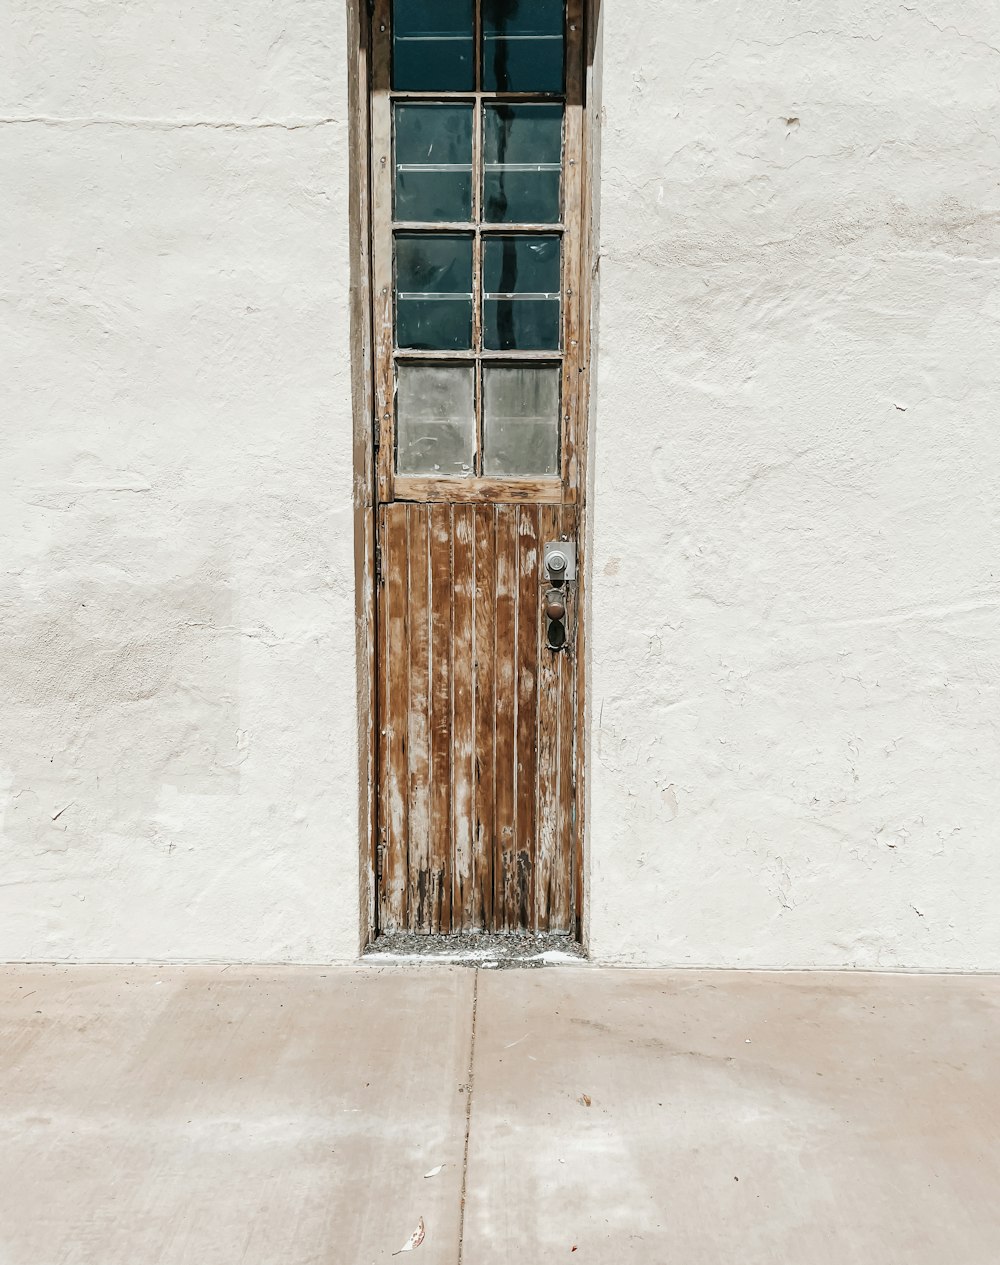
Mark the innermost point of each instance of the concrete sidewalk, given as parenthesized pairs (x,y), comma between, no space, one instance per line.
(293,1116)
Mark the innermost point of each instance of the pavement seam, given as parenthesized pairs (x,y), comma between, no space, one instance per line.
(469,1081)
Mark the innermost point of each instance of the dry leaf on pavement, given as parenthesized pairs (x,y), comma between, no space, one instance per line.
(415,1239)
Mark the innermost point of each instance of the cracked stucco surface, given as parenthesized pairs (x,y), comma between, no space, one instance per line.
(795,595)
(178,768)
(794,694)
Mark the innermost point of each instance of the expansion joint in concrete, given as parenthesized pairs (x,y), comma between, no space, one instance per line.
(469,1086)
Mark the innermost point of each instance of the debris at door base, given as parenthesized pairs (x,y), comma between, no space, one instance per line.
(477,949)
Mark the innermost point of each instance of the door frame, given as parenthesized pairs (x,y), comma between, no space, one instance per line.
(364,344)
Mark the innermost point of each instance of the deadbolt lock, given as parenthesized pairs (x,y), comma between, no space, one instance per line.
(560,561)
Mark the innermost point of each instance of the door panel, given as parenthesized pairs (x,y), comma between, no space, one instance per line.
(476,721)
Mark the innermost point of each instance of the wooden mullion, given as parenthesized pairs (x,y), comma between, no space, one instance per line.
(477,44)
(477,260)
(382,267)
(572,261)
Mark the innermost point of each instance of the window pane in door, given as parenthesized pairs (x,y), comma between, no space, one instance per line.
(433,156)
(432,46)
(523,45)
(435,419)
(433,291)
(522,152)
(521,278)
(521,419)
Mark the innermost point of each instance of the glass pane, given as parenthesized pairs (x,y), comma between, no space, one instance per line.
(521,293)
(523,45)
(432,45)
(522,156)
(433,291)
(435,419)
(520,419)
(433,162)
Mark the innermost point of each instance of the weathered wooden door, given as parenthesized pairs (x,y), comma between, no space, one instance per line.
(476,122)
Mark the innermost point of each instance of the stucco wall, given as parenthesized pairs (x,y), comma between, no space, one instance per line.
(796,540)
(794,721)
(177,732)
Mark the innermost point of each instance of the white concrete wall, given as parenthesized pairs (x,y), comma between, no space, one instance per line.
(796,713)
(178,759)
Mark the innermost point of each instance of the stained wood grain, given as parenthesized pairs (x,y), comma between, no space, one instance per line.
(463,717)
(476,717)
(418,718)
(396,690)
(547,743)
(441,668)
(526,676)
(505,656)
(484,676)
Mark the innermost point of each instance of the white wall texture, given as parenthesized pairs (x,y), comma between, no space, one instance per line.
(796,714)
(178,736)
(794,688)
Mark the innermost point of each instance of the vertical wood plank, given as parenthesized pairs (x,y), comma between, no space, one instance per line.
(384,911)
(547,742)
(419,720)
(395,712)
(505,651)
(463,720)
(561,912)
(484,658)
(440,724)
(527,711)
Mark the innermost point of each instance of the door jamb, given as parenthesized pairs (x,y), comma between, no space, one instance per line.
(366,453)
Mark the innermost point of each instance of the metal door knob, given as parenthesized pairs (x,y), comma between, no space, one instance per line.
(555,609)
(556,565)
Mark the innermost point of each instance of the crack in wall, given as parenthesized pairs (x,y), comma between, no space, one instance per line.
(170,125)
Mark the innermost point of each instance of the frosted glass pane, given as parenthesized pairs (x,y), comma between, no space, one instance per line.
(521,419)
(432,45)
(521,286)
(522,152)
(523,45)
(435,420)
(433,291)
(433,162)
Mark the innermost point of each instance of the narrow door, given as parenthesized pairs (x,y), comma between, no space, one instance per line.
(476,123)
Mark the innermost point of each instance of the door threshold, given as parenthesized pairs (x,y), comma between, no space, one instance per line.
(477,949)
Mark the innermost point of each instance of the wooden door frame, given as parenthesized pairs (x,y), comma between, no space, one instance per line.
(364,344)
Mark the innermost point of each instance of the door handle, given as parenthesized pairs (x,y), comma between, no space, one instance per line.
(560,568)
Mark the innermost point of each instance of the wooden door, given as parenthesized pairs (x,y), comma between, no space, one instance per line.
(476,122)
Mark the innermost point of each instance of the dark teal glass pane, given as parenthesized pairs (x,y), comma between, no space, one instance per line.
(433,291)
(522,153)
(432,46)
(521,278)
(433,162)
(523,45)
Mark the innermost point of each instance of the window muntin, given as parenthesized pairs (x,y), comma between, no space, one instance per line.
(478,264)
